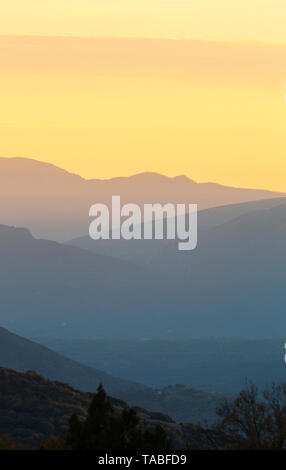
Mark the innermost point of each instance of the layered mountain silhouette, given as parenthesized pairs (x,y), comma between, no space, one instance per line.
(220,364)
(235,277)
(54,204)
(21,355)
(34,409)
(231,285)
(157,253)
(47,288)
(182,403)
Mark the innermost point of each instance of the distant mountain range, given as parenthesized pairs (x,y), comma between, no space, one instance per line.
(182,403)
(234,278)
(231,285)
(47,288)
(161,254)
(21,355)
(217,364)
(54,204)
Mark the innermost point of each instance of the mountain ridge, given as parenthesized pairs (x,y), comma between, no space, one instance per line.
(181,403)
(65,289)
(34,408)
(54,203)
(141,174)
(21,354)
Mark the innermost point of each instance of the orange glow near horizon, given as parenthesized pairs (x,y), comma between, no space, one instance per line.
(110,107)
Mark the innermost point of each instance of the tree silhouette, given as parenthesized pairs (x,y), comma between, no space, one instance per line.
(253,420)
(106,428)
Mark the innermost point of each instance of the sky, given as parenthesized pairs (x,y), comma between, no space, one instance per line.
(116,87)
(239,20)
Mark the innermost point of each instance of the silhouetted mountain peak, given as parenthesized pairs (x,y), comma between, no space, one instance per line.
(54,204)
(153,177)
(12,234)
(184,179)
(29,166)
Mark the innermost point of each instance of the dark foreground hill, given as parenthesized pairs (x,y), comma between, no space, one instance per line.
(33,408)
(21,354)
(182,403)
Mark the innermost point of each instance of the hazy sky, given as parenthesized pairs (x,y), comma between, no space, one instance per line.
(258,20)
(214,111)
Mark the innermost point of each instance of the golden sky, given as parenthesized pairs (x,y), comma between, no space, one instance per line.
(247,20)
(214,111)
